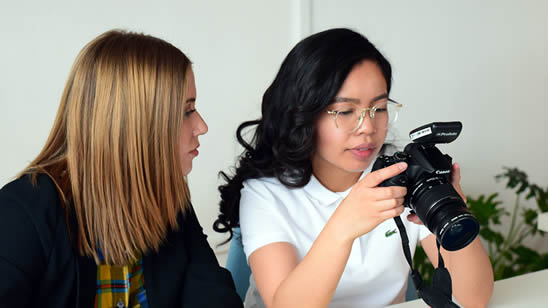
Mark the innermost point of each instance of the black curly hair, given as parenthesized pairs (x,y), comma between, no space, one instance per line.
(285,137)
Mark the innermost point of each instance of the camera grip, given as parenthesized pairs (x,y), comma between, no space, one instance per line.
(385,161)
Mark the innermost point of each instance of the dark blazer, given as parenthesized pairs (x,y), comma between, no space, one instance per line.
(39,266)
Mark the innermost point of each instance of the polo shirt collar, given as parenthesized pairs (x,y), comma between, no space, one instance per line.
(325,196)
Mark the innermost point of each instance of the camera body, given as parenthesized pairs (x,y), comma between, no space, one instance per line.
(430,193)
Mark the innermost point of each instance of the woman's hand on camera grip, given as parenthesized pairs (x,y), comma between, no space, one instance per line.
(455,180)
(368,205)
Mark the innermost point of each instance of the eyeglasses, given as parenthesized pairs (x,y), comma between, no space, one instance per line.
(350,118)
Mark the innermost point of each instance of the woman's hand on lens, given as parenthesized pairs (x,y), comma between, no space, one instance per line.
(455,180)
(414,218)
(368,205)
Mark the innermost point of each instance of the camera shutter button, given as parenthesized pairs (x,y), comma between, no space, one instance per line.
(400,156)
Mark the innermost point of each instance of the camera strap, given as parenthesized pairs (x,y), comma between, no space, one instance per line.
(439,294)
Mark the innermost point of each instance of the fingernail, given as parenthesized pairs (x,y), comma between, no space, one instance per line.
(402,166)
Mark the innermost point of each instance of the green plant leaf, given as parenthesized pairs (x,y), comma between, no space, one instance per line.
(541,263)
(525,255)
(514,177)
(540,195)
(504,272)
(533,191)
(491,236)
(486,210)
(542,199)
(508,256)
(530,217)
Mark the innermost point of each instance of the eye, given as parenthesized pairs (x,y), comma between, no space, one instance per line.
(189,112)
(381,107)
(345,112)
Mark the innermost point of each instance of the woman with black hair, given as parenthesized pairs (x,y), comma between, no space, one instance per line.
(315,227)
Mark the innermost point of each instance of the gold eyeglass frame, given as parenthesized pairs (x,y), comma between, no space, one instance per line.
(371,110)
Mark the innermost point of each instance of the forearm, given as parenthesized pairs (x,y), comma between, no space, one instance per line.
(314,281)
(471,274)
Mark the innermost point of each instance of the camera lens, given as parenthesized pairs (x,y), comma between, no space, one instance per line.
(453,225)
(460,232)
(444,213)
(455,229)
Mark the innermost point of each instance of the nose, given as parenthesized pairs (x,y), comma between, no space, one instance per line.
(367,126)
(200,128)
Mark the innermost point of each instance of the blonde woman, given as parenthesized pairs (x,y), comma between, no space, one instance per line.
(102,217)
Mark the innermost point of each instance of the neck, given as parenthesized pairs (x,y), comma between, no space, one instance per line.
(332,178)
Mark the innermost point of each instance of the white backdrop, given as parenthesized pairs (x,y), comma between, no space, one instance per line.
(483,63)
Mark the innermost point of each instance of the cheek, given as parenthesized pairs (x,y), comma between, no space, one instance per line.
(381,136)
(329,140)
(184,137)
(184,144)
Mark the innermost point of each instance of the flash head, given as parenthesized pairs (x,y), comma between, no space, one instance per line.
(436,132)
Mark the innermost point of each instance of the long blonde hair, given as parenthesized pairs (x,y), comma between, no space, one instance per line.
(113,149)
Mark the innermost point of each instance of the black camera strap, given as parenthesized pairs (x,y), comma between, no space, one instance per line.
(439,294)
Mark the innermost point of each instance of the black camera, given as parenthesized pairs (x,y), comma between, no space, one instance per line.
(430,193)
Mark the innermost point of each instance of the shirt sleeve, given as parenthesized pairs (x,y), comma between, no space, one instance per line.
(261,217)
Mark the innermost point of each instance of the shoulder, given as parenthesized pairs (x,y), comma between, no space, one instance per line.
(25,190)
(266,193)
(31,211)
(267,182)
(37,200)
(265,186)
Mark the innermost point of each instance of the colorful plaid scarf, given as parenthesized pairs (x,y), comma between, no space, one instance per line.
(120,286)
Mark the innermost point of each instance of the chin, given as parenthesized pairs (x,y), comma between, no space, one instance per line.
(360,166)
(356,169)
(187,169)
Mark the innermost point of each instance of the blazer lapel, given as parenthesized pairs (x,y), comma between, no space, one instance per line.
(164,272)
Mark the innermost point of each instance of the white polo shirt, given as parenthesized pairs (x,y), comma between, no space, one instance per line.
(376,272)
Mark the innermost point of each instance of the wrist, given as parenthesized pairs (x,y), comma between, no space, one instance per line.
(339,234)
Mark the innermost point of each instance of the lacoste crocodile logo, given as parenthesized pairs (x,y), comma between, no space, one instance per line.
(389,232)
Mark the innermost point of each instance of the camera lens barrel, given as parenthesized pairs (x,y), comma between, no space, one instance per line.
(444,213)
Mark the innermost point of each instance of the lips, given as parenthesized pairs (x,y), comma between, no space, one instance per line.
(195,151)
(362,151)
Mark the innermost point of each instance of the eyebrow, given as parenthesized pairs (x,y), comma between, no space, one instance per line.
(340,99)
(190,100)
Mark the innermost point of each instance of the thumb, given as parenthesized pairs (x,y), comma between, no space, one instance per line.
(455,174)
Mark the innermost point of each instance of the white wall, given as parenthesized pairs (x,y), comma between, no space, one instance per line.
(483,63)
